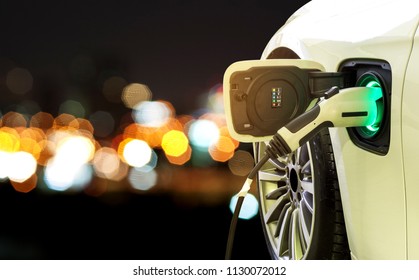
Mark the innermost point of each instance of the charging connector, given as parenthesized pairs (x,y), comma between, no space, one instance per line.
(351,107)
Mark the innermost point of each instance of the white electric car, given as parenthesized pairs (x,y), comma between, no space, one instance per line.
(349,192)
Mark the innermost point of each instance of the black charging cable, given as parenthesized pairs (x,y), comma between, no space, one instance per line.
(276,148)
(241,195)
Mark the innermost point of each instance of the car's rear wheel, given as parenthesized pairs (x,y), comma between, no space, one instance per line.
(300,202)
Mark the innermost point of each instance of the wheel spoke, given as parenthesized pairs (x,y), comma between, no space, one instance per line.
(297,156)
(307,201)
(306,169)
(283,242)
(275,210)
(272,175)
(308,186)
(281,219)
(275,194)
(305,226)
(303,156)
(294,237)
(279,163)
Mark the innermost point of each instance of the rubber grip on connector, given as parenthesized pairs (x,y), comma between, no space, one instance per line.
(303,120)
(277,147)
(316,130)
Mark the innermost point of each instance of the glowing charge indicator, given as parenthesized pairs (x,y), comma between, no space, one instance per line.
(276,97)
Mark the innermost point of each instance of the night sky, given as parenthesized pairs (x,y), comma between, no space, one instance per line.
(180,49)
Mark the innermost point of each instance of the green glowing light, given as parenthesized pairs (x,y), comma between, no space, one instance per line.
(370,131)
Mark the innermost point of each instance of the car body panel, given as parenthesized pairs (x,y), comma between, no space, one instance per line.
(372,186)
(410,130)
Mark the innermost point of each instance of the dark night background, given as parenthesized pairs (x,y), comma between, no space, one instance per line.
(180,49)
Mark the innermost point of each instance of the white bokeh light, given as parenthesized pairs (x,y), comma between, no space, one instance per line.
(151,113)
(203,133)
(21,167)
(137,153)
(143,181)
(249,208)
(75,150)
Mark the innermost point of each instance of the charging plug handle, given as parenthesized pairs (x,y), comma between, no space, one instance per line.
(350,107)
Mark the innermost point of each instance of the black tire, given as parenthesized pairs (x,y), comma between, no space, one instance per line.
(301,208)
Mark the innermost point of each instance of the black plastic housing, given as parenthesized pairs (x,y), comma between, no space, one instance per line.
(264,99)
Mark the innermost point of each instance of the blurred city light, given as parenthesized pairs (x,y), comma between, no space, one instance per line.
(203,133)
(106,163)
(143,181)
(182,159)
(222,150)
(42,120)
(241,163)
(72,107)
(66,148)
(151,164)
(135,93)
(19,81)
(175,143)
(134,152)
(103,122)
(4,163)
(151,113)
(13,119)
(60,177)
(27,185)
(126,146)
(113,87)
(249,208)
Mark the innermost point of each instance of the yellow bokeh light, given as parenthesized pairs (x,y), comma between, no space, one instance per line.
(175,143)
(9,142)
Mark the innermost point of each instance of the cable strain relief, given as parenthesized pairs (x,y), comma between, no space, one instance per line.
(277,147)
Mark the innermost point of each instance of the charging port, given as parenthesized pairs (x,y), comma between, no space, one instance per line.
(372,73)
(371,80)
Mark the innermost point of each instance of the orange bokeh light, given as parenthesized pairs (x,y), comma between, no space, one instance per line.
(31,146)
(64,120)
(182,159)
(223,150)
(224,132)
(13,119)
(42,120)
(25,186)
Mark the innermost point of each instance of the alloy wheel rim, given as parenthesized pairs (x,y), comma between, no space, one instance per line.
(286,191)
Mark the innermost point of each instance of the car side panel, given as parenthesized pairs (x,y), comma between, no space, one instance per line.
(410,130)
